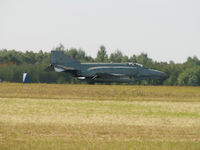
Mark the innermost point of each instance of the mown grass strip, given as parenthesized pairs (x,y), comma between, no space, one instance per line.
(42,116)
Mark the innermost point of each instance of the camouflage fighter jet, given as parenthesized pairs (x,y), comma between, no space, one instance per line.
(102,72)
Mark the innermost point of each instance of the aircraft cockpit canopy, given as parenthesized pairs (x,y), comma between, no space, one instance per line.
(136,65)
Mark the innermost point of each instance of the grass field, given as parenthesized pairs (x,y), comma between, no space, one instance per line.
(60,117)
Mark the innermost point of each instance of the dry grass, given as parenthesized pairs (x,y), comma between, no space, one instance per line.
(100,92)
(42,116)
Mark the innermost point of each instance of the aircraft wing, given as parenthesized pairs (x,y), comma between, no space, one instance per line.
(107,75)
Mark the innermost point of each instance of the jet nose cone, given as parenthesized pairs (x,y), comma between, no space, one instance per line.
(164,75)
(157,74)
(151,74)
(161,75)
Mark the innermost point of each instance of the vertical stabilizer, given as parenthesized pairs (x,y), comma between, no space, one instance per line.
(59,58)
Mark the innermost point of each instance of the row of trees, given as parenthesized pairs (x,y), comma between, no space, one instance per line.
(14,63)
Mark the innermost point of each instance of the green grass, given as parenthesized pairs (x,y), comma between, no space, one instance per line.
(45,117)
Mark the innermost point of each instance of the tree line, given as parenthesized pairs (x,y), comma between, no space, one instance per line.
(14,63)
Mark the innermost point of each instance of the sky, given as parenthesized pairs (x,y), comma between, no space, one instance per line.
(164,29)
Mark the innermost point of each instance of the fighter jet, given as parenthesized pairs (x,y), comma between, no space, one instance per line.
(102,72)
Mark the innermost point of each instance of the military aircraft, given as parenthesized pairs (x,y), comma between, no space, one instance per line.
(102,72)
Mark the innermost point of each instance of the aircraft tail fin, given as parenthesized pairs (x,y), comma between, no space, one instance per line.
(59,58)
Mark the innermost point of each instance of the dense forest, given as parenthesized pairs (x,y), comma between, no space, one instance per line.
(14,63)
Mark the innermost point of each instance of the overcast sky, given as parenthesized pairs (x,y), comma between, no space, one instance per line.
(164,29)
